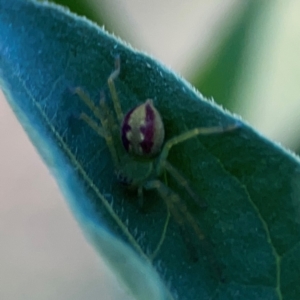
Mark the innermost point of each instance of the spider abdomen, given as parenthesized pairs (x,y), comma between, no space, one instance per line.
(142,130)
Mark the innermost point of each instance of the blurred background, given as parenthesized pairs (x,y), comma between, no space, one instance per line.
(243,54)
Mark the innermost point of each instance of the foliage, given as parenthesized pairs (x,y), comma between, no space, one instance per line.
(251,185)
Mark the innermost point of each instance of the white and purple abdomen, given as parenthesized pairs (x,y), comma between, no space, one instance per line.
(142,130)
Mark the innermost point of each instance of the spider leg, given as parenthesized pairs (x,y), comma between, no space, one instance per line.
(188,135)
(177,208)
(113,91)
(206,247)
(184,183)
(108,117)
(140,197)
(105,122)
(182,216)
(89,103)
(188,240)
(171,200)
(93,124)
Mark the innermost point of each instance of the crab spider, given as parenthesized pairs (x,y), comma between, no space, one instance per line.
(138,150)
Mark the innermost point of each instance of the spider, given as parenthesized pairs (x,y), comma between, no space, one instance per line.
(139,152)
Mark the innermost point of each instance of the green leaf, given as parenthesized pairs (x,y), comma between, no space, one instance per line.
(99,12)
(251,185)
(83,8)
(96,13)
(220,76)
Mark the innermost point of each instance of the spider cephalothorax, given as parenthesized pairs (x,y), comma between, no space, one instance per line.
(139,152)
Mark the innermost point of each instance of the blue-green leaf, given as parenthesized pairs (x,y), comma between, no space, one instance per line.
(251,185)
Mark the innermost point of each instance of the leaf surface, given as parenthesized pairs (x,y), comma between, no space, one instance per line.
(250,184)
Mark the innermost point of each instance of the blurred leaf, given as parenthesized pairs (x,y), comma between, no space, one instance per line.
(84,8)
(219,77)
(97,11)
(251,185)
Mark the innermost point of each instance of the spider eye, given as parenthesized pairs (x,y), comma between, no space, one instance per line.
(142,130)
(121,178)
